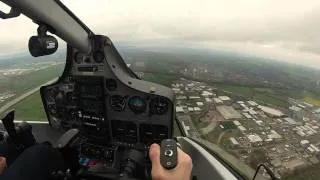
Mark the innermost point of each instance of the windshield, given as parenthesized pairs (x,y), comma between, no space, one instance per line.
(245,74)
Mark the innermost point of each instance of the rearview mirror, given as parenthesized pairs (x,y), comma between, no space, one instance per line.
(264,173)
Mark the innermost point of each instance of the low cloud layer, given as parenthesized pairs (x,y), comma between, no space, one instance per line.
(285,30)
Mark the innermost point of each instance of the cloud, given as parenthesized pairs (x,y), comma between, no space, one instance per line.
(283,29)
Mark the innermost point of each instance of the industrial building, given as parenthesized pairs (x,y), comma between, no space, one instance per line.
(271,111)
(208,100)
(254,138)
(194,97)
(217,101)
(224,98)
(290,120)
(200,103)
(274,135)
(295,108)
(252,103)
(228,112)
(181,97)
(179,109)
(304,142)
(237,123)
(206,94)
(242,129)
(246,115)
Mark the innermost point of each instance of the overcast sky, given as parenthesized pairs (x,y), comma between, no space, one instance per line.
(287,30)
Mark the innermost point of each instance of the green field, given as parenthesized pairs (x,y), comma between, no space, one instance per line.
(20,84)
(273,97)
(160,78)
(30,109)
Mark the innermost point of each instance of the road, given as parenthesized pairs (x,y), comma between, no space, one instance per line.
(5,107)
(220,137)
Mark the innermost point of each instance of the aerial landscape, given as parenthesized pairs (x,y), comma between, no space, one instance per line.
(252,109)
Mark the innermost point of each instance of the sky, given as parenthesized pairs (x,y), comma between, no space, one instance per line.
(286,30)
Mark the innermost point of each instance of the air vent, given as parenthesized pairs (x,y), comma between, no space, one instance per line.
(159,105)
(117,103)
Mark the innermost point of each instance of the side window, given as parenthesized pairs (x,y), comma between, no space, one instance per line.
(21,75)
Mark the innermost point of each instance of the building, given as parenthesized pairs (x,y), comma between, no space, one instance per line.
(245,108)
(301,133)
(304,143)
(316,149)
(234,142)
(254,138)
(197,109)
(179,109)
(259,122)
(274,135)
(208,100)
(224,98)
(290,120)
(308,104)
(175,90)
(252,112)
(271,111)
(228,112)
(190,109)
(241,128)
(246,115)
(310,149)
(252,103)
(206,94)
(181,97)
(237,123)
(200,103)
(194,97)
(294,108)
(217,101)
(317,111)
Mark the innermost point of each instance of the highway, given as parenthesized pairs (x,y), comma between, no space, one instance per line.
(5,107)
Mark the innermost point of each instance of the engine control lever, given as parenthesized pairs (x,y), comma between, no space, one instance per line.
(168,153)
(21,136)
(68,146)
(68,139)
(9,126)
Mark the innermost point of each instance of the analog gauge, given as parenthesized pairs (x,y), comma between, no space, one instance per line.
(111,84)
(159,105)
(98,56)
(87,59)
(78,58)
(52,109)
(137,104)
(50,94)
(60,97)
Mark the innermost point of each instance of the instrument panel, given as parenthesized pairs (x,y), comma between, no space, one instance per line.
(99,95)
